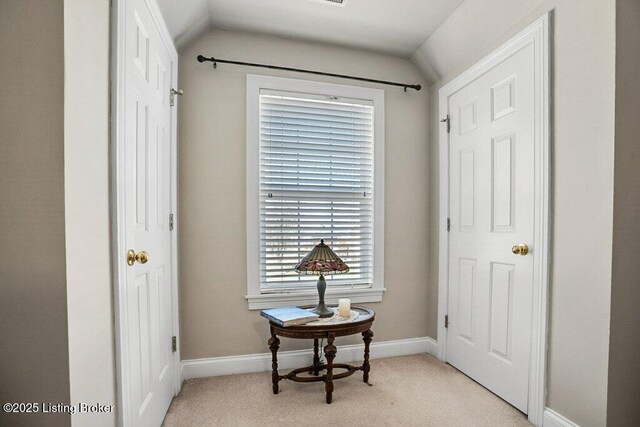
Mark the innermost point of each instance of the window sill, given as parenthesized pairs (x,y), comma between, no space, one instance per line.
(262,301)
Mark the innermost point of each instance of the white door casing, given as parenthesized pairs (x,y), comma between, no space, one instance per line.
(145,140)
(494,194)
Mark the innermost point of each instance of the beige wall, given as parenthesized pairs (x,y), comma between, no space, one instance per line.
(215,320)
(54,162)
(33,308)
(86,172)
(624,350)
(582,168)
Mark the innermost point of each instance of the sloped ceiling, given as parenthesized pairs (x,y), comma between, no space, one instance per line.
(395,27)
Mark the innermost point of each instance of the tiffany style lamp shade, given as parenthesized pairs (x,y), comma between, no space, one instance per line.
(322,260)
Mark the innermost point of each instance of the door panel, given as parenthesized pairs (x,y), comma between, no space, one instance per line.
(503,184)
(467,189)
(501,309)
(465,306)
(491,207)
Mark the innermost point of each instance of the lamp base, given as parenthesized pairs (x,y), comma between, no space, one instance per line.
(322,310)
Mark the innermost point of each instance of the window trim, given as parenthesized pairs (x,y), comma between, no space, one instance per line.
(256,297)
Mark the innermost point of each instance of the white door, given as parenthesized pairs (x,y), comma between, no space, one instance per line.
(147,192)
(491,173)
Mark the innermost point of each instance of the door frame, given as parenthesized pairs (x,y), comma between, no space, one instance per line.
(538,34)
(119,248)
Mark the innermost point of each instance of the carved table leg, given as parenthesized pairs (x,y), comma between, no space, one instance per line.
(366,337)
(330,353)
(316,357)
(274,344)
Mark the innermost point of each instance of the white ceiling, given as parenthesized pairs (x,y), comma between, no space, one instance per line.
(397,27)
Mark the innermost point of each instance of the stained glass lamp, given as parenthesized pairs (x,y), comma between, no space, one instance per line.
(320,261)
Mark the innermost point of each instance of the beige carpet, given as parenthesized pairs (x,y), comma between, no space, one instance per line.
(410,391)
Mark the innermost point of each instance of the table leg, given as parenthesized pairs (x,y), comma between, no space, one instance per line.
(274,344)
(330,353)
(366,337)
(316,357)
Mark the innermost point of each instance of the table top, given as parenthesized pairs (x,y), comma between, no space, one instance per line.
(364,314)
(361,323)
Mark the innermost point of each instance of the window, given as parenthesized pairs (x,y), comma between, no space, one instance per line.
(315,163)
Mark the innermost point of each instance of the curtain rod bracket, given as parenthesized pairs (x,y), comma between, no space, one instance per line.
(215,61)
(201,58)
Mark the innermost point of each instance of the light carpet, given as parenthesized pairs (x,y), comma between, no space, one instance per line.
(414,390)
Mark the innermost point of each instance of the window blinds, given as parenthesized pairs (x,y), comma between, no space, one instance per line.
(316,182)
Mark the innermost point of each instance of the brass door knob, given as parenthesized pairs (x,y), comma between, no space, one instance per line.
(142,257)
(520,249)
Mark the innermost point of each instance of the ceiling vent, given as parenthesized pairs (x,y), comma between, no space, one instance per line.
(332,2)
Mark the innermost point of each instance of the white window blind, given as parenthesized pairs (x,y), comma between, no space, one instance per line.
(316,182)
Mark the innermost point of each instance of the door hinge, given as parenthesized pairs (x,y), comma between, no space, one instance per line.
(446,320)
(446,120)
(448,224)
(172,96)
(170,222)
(174,344)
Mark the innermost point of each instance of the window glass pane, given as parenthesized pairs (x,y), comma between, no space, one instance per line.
(316,182)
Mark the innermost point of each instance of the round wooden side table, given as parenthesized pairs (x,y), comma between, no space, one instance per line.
(362,324)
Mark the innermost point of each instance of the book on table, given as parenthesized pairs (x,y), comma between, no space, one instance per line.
(288,316)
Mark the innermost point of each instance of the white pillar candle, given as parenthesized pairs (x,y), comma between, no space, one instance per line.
(344,307)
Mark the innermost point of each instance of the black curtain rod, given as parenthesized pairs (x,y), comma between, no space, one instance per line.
(299,70)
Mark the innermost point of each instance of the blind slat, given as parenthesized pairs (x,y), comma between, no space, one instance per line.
(294,119)
(331,143)
(288,104)
(314,136)
(317,148)
(290,160)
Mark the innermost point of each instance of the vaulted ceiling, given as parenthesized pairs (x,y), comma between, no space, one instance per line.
(396,27)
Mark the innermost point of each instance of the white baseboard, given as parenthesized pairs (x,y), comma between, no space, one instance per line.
(244,364)
(551,418)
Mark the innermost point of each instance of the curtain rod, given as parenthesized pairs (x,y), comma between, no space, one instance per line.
(299,70)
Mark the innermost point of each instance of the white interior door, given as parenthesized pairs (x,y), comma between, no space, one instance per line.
(148,65)
(491,179)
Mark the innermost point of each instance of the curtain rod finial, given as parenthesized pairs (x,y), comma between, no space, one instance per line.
(201,58)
